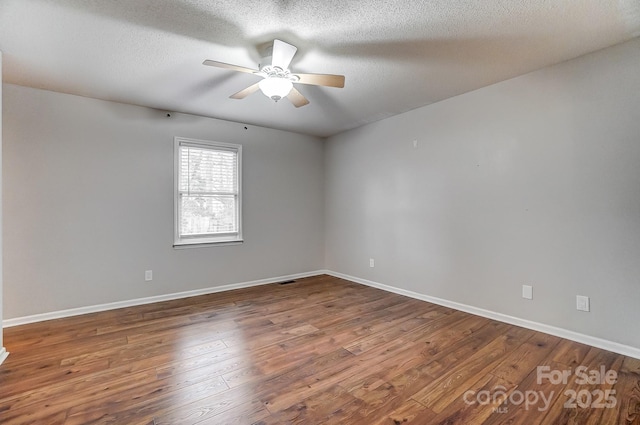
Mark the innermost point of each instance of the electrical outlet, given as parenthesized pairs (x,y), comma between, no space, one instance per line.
(582,303)
(527,292)
(371,262)
(415,144)
(148,275)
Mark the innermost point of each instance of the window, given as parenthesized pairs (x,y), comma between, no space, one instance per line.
(207,192)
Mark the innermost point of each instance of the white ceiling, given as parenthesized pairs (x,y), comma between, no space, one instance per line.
(396,54)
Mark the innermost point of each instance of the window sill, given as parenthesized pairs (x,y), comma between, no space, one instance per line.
(184,245)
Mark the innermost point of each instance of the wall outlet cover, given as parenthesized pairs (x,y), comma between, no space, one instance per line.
(527,292)
(582,303)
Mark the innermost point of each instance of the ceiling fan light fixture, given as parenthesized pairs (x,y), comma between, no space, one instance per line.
(275,87)
(277,81)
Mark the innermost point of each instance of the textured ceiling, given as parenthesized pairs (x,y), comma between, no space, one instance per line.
(396,55)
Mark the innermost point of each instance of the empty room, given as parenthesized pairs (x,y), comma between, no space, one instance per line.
(298,212)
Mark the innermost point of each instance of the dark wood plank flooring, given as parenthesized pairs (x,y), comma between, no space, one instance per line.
(319,351)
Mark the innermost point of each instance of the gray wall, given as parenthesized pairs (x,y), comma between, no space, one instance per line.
(535,180)
(88,203)
(531,181)
(1,184)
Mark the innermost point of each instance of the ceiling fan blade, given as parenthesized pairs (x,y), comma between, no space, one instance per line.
(229,66)
(282,54)
(327,80)
(297,98)
(246,92)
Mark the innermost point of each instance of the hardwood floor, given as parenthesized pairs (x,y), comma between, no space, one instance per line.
(318,351)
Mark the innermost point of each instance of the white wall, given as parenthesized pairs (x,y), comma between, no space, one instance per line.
(535,180)
(89,203)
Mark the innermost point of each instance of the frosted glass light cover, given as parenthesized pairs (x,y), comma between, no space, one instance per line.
(275,88)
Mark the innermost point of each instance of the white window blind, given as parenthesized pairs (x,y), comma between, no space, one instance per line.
(207,192)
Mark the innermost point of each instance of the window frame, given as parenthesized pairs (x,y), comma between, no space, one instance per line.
(204,240)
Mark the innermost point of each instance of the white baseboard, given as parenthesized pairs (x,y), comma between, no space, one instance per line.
(3,354)
(148,300)
(541,327)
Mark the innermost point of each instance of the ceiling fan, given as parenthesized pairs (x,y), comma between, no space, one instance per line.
(277,81)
